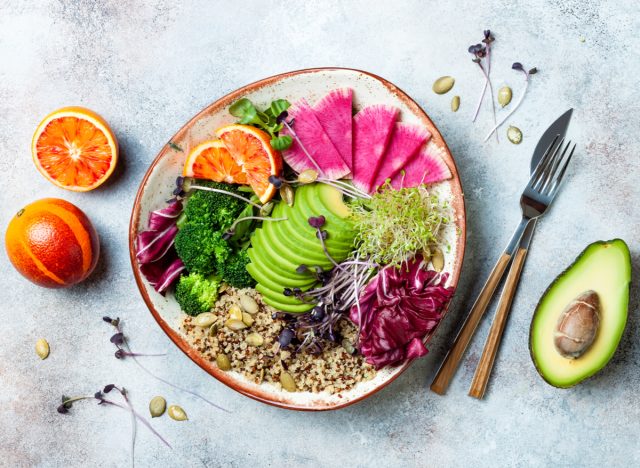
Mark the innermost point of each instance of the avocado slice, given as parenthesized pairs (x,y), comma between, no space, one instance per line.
(604,268)
(264,275)
(275,300)
(277,268)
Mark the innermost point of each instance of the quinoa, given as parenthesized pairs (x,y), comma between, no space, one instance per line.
(333,371)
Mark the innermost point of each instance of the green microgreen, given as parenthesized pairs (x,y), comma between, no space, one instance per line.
(271,120)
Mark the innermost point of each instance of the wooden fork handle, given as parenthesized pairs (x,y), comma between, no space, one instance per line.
(485,365)
(451,361)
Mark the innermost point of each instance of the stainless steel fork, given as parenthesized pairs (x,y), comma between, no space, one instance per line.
(536,198)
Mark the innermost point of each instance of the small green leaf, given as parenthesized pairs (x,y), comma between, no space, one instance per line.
(279,106)
(250,116)
(241,107)
(281,143)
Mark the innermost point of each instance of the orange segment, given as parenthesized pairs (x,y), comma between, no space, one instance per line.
(211,160)
(75,149)
(251,149)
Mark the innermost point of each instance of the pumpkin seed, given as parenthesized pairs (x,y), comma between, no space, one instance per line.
(247,319)
(177,413)
(249,304)
(157,406)
(235,313)
(443,84)
(514,135)
(266,209)
(308,176)
(504,96)
(213,329)
(348,346)
(42,348)
(254,339)
(235,325)
(437,260)
(222,360)
(287,194)
(204,320)
(222,288)
(455,103)
(287,382)
(261,376)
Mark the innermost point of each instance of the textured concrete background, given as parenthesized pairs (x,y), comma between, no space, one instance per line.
(147,67)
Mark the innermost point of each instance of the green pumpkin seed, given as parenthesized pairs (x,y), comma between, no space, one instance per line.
(42,348)
(157,406)
(223,362)
(308,176)
(504,96)
(235,313)
(287,194)
(514,135)
(287,382)
(437,260)
(455,103)
(204,320)
(235,325)
(249,304)
(254,339)
(348,346)
(443,84)
(247,319)
(177,413)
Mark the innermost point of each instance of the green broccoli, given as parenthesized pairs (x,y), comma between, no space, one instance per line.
(196,293)
(234,270)
(212,208)
(201,247)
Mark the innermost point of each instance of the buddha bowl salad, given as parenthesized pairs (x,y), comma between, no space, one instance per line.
(305,244)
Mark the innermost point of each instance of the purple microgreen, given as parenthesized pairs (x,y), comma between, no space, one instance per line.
(482,53)
(302,269)
(520,68)
(317,221)
(108,388)
(276,181)
(117,339)
(282,116)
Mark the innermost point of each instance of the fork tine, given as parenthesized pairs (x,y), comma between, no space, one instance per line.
(558,180)
(546,187)
(543,161)
(544,168)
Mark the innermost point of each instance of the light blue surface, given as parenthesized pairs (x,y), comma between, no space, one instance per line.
(147,67)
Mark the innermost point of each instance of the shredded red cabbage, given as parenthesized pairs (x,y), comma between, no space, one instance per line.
(398,308)
(159,262)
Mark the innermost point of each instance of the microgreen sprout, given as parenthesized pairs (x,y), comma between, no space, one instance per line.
(527,75)
(482,53)
(229,233)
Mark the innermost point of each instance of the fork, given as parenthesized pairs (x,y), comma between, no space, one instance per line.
(536,198)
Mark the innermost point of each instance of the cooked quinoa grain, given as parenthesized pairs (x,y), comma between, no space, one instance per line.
(333,371)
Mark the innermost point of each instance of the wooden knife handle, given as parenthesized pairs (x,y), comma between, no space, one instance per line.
(485,365)
(453,357)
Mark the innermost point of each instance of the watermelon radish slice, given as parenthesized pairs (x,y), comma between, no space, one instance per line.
(424,168)
(405,142)
(316,141)
(334,113)
(372,128)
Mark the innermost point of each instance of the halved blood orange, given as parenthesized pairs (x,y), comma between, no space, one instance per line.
(251,149)
(75,149)
(211,160)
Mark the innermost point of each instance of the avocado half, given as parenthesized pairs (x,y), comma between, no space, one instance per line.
(603,267)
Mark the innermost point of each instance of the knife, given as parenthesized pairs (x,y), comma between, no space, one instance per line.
(485,365)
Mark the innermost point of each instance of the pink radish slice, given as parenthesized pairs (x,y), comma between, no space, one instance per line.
(406,140)
(424,168)
(316,141)
(372,128)
(334,111)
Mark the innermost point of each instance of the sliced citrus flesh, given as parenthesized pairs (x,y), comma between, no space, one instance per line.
(75,149)
(251,148)
(211,160)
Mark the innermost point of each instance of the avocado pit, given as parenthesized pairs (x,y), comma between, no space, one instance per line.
(578,325)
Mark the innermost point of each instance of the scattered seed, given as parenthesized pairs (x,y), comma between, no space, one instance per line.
(455,103)
(443,84)
(249,304)
(235,313)
(204,320)
(177,413)
(213,329)
(222,288)
(157,406)
(308,176)
(287,382)
(287,194)
(348,346)
(254,339)
(247,319)
(235,325)
(437,260)
(42,348)
(583,39)
(514,135)
(223,362)
(504,96)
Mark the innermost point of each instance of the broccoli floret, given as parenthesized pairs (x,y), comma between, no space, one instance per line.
(212,208)
(196,293)
(201,248)
(234,270)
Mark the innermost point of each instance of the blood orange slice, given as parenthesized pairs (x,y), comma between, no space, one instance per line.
(211,160)
(251,149)
(75,149)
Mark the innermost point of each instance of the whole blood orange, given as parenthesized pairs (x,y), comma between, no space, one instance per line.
(52,243)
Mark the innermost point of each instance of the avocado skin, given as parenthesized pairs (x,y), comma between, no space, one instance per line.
(620,243)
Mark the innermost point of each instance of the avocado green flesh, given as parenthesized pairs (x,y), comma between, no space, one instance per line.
(264,275)
(604,267)
(262,252)
(320,199)
(275,300)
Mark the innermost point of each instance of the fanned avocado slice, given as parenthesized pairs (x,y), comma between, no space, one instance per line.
(279,301)
(587,305)
(261,252)
(268,277)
